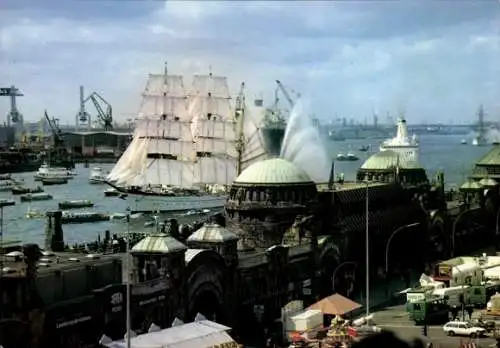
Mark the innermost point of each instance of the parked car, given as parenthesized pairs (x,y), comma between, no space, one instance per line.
(463,328)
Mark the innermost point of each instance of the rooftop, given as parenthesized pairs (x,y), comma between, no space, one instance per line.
(212,233)
(274,171)
(158,243)
(492,158)
(388,160)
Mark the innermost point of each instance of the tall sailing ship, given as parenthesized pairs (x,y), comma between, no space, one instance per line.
(480,139)
(188,145)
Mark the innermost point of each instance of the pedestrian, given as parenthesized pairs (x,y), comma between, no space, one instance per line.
(470,310)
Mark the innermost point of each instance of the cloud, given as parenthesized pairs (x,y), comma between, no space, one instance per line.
(436,60)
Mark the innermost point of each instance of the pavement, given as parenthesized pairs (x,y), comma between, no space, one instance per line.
(395,319)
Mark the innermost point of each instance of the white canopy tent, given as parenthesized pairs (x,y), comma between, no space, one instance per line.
(202,334)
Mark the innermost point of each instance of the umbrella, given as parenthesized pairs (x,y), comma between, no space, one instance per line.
(335,304)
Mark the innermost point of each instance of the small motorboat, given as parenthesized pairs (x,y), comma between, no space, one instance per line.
(19,190)
(54,181)
(111,192)
(351,157)
(341,157)
(364,148)
(80,203)
(30,197)
(463,142)
(83,217)
(97,176)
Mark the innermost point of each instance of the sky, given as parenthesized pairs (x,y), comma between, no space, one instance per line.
(436,61)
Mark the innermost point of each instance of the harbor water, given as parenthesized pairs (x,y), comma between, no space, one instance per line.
(437,152)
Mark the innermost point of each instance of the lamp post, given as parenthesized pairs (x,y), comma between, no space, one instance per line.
(401,228)
(129,273)
(334,275)
(367,227)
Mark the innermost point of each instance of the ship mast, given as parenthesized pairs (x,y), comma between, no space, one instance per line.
(240,117)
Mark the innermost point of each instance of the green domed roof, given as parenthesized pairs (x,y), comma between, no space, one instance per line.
(388,159)
(273,171)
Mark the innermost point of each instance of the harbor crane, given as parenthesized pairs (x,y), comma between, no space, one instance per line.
(103,108)
(104,115)
(14,115)
(56,131)
(285,93)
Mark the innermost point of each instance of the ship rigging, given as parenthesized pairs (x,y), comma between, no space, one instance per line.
(188,145)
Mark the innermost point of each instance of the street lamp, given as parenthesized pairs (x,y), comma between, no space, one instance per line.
(129,273)
(336,270)
(401,228)
(367,227)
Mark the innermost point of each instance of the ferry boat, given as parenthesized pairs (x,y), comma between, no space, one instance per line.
(97,176)
(46,171)
(351,157)
(405,146)
(159,171)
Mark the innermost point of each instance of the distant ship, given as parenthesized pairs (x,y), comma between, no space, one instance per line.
(273,131)
(274,121)
(480,139)
(405,146)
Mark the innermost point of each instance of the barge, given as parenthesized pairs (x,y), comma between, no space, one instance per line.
(31,197)
(83,217)
(76,204)
(18,190)
(54,181)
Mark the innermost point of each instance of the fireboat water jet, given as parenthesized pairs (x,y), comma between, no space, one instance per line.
(302,144)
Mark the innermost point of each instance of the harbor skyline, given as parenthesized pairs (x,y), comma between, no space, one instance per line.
(391,57)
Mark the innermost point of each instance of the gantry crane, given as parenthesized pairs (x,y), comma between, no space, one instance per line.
(14,115)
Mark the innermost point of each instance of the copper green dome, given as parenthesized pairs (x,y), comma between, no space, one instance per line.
(273,171)
(389,159)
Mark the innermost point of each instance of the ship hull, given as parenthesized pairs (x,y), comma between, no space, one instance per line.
(139,202)
(272,138)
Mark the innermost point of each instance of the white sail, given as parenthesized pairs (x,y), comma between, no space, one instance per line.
(253,144)
(211,93)
(125,160)
(164,95)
